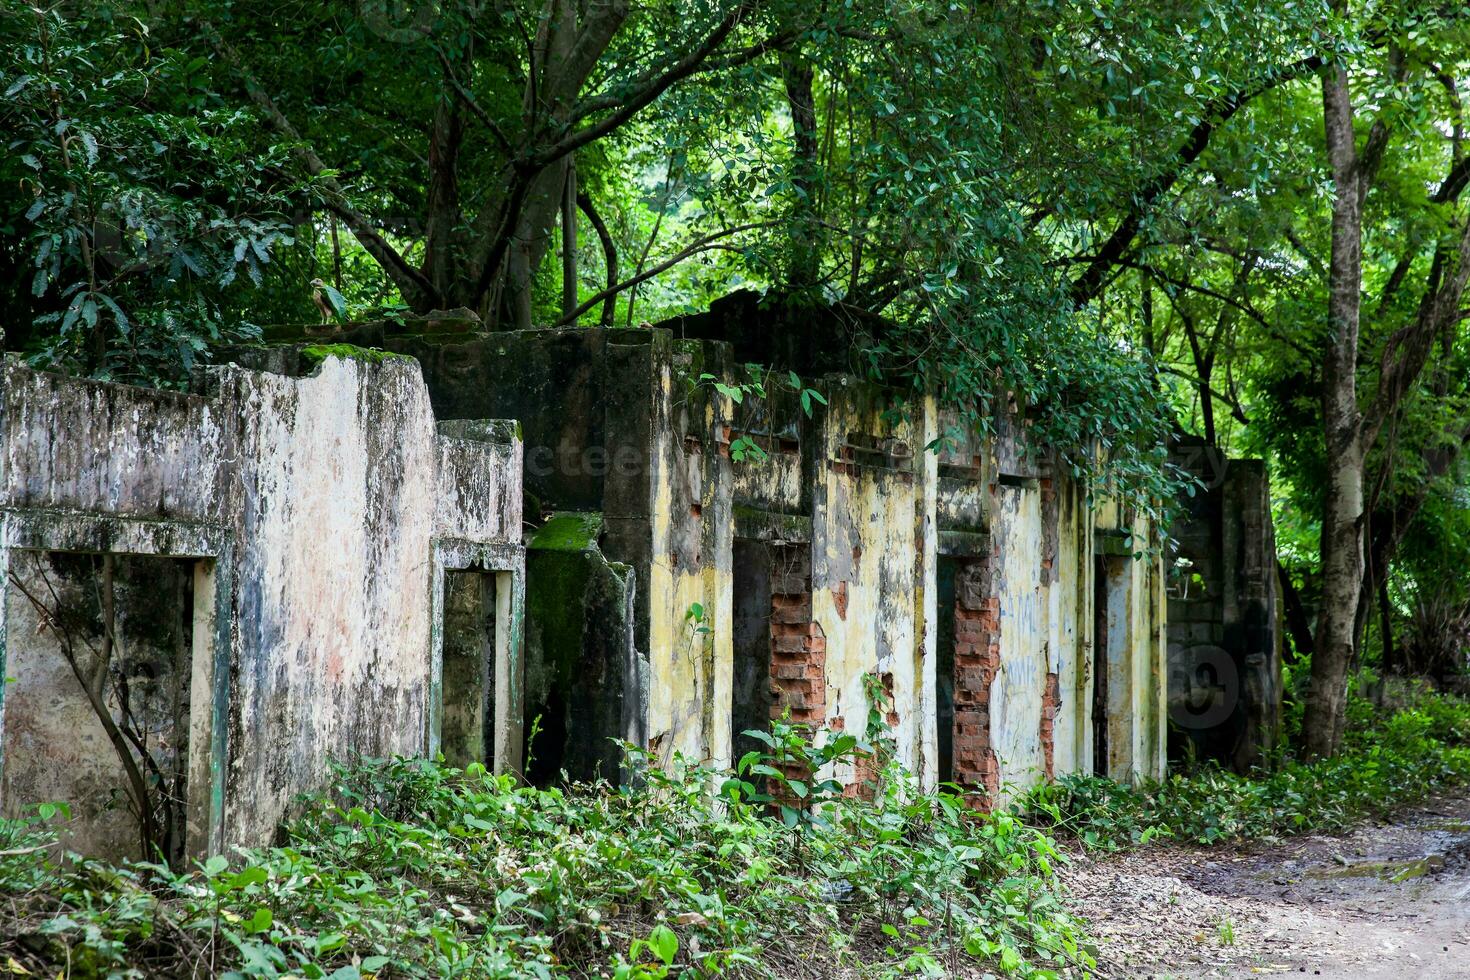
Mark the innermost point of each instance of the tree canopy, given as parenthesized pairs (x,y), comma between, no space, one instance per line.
(1240,219)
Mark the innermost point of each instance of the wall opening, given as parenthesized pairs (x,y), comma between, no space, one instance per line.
(750,703)
(798,645)
(1109,635)
(976,637)
(585,678)
(110,656)
(944,667)
(471,643)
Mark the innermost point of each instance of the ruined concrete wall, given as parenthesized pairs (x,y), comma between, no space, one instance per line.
(320,510)
(617,425)
(839,529)
(1027,597)
(130,452)
(1070,621)
(1133,639)
(864,588)
(1224,635)
(689,599)
(336,511)
(845,496)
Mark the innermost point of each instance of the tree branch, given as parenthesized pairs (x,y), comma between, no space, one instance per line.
(468,99)
(703,244)
(609,254)
(1086,287)
(640,99)
(397,267)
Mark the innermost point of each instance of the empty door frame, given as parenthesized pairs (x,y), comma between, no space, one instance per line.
(209,688)
(507,562)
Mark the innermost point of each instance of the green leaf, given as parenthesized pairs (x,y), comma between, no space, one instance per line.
(336,300)
(664,943)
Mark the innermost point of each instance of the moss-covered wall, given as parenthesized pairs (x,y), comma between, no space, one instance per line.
(582,689)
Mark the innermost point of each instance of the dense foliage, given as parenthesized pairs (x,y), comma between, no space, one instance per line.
(1392,758)
(413,869)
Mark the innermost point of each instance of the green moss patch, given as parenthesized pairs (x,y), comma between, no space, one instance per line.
(314,354)
(569,531)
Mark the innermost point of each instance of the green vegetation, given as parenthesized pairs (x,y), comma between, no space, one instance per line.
(1392,758)
(413,869)
(569,531)
(316,353)
(1124,214)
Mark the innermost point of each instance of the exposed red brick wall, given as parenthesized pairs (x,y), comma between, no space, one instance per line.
(1050,699)
(976,661)
(798,645)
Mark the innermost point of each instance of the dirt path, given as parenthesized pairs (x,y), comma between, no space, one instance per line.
(1390,900)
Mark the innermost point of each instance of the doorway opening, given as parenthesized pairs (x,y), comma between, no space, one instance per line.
(471,638)
(110,659)
(944,667)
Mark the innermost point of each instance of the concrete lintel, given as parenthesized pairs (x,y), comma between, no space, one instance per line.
(81,531)
(1118,544)
(964,544)
(763,525)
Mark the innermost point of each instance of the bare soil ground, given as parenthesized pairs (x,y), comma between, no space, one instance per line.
(1389,900)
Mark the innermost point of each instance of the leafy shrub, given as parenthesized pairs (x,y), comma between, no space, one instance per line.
(411,868)
(1389,761)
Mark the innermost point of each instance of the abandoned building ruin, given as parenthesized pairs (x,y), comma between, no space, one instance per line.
(1225,629)
(437,539)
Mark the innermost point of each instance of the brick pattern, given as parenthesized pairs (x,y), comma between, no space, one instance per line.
(798,645)
(976,661)
(866,765)
(1050,700)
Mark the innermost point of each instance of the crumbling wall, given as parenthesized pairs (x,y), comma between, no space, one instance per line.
(1133,642)
(583,681)
(617,424)
(1224,635)
(1070,620)
(336,511)
(865,590)
(318,513)
(689,512)
(1020,534)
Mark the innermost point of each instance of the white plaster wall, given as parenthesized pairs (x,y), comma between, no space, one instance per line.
(1070,640)
(108,448)
(338,480)
(1016,693)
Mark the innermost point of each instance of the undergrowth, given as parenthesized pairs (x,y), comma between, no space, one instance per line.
(1390,758)
(413,869)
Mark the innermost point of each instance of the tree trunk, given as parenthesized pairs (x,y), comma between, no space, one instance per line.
(442,208)
(797,75)
(1385,627)
(1342,511)
(569,242)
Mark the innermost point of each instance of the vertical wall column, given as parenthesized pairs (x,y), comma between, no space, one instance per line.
(976,661)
